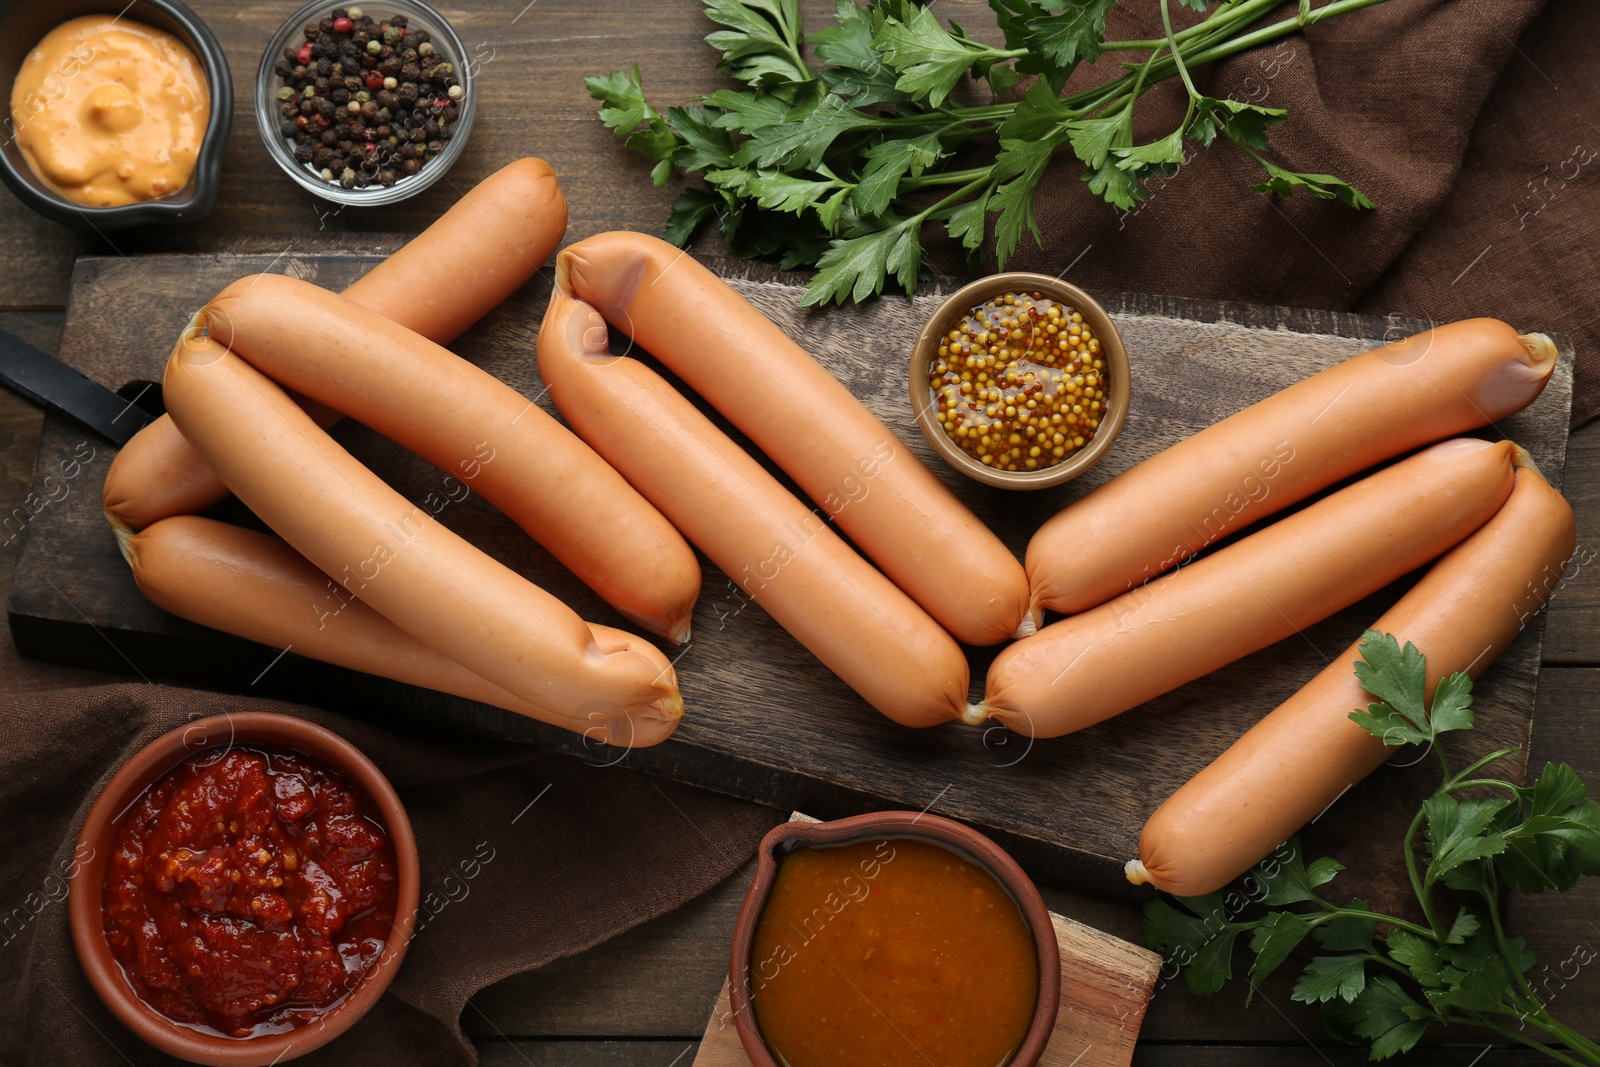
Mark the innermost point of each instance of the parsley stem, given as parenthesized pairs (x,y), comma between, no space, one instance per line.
(1425,898)
(983,179)
(1177,58)
(1225,16)
(1520,1038)
(1271,33)
(1456,784)
(1505,947)
(1336,912)
(949,177)
(943,116)
(1478,765)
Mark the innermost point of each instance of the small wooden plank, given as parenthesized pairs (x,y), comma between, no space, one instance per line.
(767,722)
(1105,988)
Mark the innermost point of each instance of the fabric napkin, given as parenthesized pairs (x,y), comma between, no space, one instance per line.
(1479,142)
(526,856)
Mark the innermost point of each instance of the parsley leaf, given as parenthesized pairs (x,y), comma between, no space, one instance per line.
(1240,122)
(857,267)
(689,212)
(876,107)
(966,222)
(1037,114)
(856,70)
(1386,1016)
(701,144)
(761,45)
(623,95)
(802,144)
(1327,977)
(1159,156)
(1272,942)
(1398,678)
(1478,834)
(1349,933)
(1199,937)
(753,112)
(1321,186)
(1115,185)
(778,191)
(928,60)
(1418,955)
(1559,841)
(1070,31)
(1093,140)
(887,163)
(1283,877)
(1013,199)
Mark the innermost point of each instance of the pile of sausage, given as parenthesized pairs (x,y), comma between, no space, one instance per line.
(250,399)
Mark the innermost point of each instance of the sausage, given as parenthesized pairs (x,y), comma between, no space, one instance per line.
(469,423)
(884,499)
(1083,669)
(395,557)
(1281,450)
(478,253)
(784,556)
(1301,758)
(254,586)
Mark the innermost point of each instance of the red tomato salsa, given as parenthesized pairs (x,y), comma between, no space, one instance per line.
(250,889)
(895,953)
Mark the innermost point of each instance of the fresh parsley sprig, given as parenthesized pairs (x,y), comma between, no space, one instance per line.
(840,162)
(1383,980)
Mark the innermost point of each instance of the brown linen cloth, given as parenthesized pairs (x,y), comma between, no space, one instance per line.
(1488,191)
(565,854)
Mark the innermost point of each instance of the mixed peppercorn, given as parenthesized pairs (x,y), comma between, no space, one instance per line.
(366,101)
(1020,383)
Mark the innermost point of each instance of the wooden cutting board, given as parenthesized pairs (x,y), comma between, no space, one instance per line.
(765,720)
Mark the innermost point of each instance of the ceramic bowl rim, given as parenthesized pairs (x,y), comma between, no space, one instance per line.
(374,195)
(105,817)
(1111,345)
(203,185)
(782,839)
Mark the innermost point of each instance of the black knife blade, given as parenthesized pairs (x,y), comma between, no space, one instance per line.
(47,381)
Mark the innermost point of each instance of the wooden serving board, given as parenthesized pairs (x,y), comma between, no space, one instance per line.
(765,720)
(1106,986)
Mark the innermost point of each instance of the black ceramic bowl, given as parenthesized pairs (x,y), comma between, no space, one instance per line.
(23,24)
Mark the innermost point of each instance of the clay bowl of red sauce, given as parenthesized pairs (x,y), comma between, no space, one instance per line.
(250,891)
(894,938)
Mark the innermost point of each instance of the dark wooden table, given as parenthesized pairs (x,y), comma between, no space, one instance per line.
(644,997)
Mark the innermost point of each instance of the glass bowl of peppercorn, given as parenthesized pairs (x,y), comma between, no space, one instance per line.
(365,105)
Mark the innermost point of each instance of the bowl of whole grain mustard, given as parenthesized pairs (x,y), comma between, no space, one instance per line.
(1020,381)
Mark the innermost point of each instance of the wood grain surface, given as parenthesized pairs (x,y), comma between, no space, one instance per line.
(1069,808)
